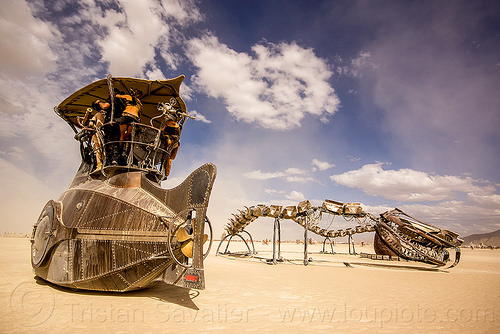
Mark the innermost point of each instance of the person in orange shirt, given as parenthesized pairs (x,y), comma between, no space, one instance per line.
(131,113)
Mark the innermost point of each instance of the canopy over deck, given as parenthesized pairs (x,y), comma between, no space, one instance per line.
(153,92)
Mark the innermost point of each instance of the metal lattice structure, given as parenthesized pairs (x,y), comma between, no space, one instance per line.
(397,234)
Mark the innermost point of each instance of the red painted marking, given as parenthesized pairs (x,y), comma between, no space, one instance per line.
(191,278)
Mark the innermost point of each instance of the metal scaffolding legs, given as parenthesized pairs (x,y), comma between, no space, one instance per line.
(276,255)
(277,241)
(350,241)
(331,245)
(306,255)
(251,252)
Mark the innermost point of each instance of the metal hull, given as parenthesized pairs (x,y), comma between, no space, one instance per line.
(118,233)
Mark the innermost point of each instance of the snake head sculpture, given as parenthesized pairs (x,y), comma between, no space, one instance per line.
(399,234)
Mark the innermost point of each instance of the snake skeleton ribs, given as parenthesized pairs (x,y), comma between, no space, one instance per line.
(397,234)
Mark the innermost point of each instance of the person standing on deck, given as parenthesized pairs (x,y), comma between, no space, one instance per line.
(131,113)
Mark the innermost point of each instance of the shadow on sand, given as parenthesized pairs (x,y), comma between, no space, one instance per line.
(160,291)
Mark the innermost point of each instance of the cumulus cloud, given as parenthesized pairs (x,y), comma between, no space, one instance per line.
(126,38)
(300,179)
(489,201)
(260,175)
(408,184)
(139,30)
(321,165)
(356,66)
(289,175)
(273,191)
(199,117)
(24,41)
(462,217)
(26,58)
(275,87)
(296,196)
(294,171)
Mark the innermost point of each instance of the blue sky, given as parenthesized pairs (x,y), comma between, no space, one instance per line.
(387,103)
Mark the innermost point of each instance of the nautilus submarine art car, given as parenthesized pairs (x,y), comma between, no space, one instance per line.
(115,228)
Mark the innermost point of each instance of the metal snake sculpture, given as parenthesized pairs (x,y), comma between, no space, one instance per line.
(397,234)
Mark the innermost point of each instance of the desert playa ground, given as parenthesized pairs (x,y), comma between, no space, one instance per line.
(251,296)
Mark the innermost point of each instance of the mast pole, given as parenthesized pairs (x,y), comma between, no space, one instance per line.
(109,78)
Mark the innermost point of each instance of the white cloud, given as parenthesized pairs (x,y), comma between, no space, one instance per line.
(26,58)
(321,165)
(458,216)
(357,66)
(259,175)
(489,201)
(199,117)
(130,42)
(273,191)
(183,11)
(141,27)
(376,209)
(294,171)
(299,179)
(24,41)
(289,175)
(361,63)
(154,74)
(407,184)
(296,196)
(276,88)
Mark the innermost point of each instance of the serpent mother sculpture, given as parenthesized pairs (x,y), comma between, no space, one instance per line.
(115,228)
(397,234)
